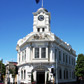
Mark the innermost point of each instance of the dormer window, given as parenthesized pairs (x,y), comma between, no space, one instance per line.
(38,29)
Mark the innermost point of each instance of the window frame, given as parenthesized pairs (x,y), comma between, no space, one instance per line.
(37,52)
(43,52)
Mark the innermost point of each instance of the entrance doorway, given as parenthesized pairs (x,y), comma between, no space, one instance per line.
(40,77)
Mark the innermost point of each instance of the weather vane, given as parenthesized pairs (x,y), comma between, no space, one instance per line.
(42,3)
(37,1)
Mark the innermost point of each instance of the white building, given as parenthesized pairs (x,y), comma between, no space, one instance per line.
(41,52)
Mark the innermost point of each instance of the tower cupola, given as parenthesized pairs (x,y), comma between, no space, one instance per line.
(41,21)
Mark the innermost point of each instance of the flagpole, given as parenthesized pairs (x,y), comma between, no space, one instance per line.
(42,3)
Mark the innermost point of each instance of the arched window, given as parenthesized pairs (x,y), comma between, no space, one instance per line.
(24,74)
(66,58)
(60,55)
(19,57)
(21,74)
(69,59)
(60,74)
(74,74)
(72,61)
(63,57)
(64,74)
(25,54)
(55,54)
(38,29)
(70,74)
(22,55)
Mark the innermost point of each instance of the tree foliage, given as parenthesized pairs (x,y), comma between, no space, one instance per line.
(80,66)
(2,68)
(13,72)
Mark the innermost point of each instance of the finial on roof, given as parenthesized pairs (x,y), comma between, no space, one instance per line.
(42,3)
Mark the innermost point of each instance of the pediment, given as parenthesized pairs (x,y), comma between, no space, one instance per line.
(40,37)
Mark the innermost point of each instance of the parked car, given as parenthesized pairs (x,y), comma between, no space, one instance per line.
(1,82)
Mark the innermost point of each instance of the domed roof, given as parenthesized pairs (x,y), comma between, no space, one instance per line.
(42,9)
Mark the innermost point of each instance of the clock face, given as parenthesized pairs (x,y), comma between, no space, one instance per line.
(40,17)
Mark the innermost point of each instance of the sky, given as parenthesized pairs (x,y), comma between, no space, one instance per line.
(16,21)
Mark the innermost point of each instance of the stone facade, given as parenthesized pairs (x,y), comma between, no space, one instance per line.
(42,55)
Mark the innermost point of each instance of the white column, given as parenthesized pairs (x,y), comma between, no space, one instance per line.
(57,54)
(18,57)
(46,52)
(40,29)
(30,54)
(40,52)
(68,59)
(33,53)
(54,54)
(21,56)
(34,75)
(23,74)
(62,56)
(27,54)
(45,76)
(56,71)
(50,54)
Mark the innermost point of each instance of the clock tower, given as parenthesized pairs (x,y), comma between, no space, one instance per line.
(41,21)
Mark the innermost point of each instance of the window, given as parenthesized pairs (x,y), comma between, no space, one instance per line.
(36,52)
(21,74)
(60,74)
(64,74)
(74,74)
(22,55)
(43,29)
(69,59)
(38,29)
(66,58)
(63,57)
(19,57)
(72,61)
(24,74)
(55,54)
(25,55)
(70,74)
(60,55)
(43,53)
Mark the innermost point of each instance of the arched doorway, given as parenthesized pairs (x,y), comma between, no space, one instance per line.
(40,74)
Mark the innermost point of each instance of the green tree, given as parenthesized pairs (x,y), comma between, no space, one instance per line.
(80,66)
(13,72)
(2,69)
